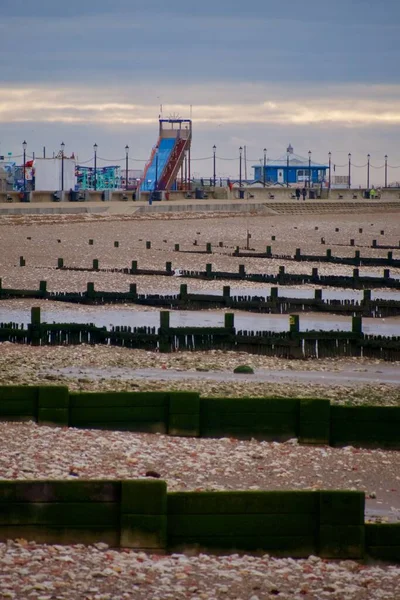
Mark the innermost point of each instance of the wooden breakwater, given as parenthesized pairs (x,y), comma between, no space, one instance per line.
(354,281)
(184,300)
(142,514)
(309,420)
(287,344)
(357,260)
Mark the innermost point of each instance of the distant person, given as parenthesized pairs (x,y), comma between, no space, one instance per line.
(202,182)
(372,194)
(304,193)
(298,193)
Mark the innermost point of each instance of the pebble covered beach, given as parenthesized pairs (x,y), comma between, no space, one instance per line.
(27,451)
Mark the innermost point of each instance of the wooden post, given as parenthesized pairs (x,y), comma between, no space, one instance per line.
(35,327)
(208,248)
(133,289)
(90,289)
(294,323)
(164,344)
(95,264)
(60,263)
(164,319)
(21,261)
(229,321)
(274,293)
(35,315)
(356,325)
(134,266)
(148,245)
(367,296)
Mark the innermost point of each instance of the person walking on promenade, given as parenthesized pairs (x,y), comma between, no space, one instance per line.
(298,193)
(304,193)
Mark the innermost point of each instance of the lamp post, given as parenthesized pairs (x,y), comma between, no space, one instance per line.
(349,170)
(126,166)
(95,167)
(156,181)
(240,166)
(62,166)
(309,169)
(368,165)
(330,166)
(186,171)
(214,163)
(265,167)
(287,170)
(24,144)
(386,166)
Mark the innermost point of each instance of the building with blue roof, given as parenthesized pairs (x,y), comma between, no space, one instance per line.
(291,169)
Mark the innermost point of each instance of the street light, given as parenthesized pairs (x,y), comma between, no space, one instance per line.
(186,171)
(386,166)
(156,181)
(95,166)
(368,165)
(62,166)
(240,166)
(287,170)
(214,163)
(330,166)
(265,167)
(24,145)
(349,170)
(126,166)
(309,168)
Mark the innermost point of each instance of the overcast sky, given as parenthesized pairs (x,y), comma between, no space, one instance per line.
(320,74)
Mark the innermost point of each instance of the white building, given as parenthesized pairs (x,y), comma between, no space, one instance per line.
(53,174)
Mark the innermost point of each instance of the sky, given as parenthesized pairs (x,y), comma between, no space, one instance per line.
(322,75)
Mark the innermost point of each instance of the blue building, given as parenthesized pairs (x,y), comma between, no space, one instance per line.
(291,169)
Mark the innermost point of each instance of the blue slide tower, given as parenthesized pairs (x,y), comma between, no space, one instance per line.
(167,156)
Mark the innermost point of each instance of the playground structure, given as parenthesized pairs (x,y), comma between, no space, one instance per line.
(107,178)
(168,156)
